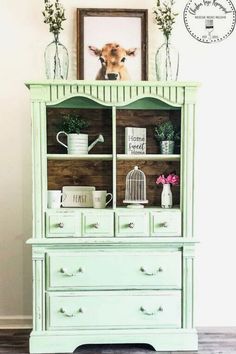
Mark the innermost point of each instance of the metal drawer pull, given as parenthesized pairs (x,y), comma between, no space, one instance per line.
(131,225)
(150,313)
(65,272)
(155,272)
(146,312)
(73,314)
(96,226)
(61,225)
(163,224)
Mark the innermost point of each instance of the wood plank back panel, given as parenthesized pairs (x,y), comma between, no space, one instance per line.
(151,169)
(80,173)
(144,119)
(100,122)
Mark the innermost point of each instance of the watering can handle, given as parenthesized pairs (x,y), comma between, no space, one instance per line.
(59,141)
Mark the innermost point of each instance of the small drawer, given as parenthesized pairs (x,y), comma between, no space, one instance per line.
(86,270)
(166,223)
(98,223)
(130,224)
(63,224)
(113,310)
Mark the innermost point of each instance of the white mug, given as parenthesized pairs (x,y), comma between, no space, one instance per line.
(54,199)
(100,199)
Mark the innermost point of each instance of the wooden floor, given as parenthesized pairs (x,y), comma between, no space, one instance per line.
(211,341)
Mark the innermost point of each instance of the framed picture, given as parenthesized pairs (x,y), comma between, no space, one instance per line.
(112,44)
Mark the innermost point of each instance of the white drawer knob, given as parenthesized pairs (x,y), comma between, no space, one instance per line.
(96,226)
(61,225)
(71,274)
(131,225)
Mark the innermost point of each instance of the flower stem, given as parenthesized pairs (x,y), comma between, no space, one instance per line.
(168,61)
(57,62)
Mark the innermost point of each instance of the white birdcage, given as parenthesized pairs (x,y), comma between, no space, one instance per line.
(135,190)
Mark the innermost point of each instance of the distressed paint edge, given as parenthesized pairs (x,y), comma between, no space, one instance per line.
(158,339)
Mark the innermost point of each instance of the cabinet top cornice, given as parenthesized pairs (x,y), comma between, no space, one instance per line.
(114,93)
(113,83)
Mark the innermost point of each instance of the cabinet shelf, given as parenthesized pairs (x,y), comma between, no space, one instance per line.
(150,157)
(101,157)
(108,157)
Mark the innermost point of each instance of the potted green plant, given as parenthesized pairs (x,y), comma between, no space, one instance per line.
(72,126)
(166,134)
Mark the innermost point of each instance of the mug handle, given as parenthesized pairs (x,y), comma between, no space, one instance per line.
(63,197)
(57,137)
(109,199)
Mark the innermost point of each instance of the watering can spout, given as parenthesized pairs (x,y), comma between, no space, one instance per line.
(100,139)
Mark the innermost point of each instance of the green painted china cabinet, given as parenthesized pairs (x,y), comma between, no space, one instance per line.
(119,274)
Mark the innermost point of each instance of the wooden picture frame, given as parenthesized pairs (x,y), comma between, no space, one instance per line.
(126,27)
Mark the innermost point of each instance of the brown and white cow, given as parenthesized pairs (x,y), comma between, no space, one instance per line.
(112,57)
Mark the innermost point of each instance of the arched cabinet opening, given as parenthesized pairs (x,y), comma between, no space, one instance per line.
(93,168)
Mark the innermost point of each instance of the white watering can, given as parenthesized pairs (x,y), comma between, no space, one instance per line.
(78,143)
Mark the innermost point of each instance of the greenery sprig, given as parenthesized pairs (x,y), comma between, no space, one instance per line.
(73,124)
(54,15)
(164,16)
(166,131)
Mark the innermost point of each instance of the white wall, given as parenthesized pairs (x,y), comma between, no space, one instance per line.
(23,40)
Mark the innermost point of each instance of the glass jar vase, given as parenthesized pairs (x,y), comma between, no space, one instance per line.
(56,60)
(167,61)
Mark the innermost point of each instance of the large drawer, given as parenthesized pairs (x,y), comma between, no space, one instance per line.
(102,309)
(63,223)
(110,269)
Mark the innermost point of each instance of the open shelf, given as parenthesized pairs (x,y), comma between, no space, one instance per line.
(108,157)
(80,173)
(102,157)
(99,120)
(107,163)
(149,157)
(152,169)
(145,119)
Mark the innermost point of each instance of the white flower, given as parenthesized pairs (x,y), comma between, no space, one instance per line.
(54,15)
(164,16)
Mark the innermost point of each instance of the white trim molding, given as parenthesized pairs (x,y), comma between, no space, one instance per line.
(14,322)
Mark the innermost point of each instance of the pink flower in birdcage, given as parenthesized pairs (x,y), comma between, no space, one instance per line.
(172,178)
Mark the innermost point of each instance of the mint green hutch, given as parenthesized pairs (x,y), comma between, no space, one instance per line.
(114,275)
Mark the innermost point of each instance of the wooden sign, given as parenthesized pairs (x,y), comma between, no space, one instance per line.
(135,141)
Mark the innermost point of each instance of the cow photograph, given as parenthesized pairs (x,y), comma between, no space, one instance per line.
(113,58)
(111,46)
